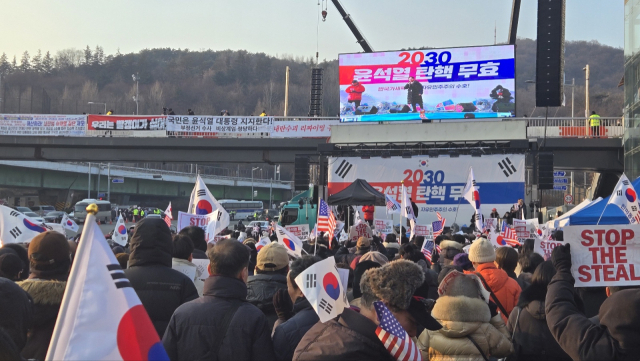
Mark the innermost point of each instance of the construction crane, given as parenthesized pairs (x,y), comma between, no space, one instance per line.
(352,26)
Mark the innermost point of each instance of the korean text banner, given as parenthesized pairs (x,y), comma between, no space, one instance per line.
(212,126)
(476,82)
(124,122)
(43,124)
(604,255)
(436,184)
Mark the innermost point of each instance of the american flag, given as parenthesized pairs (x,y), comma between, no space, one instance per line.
(394,338)
(427,249)
(509,236)
(438,226)
(326,220)
(168,216)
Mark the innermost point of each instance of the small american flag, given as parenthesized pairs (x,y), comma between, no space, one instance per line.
(168,216)
(326,220)
(509,236)
(394,338)
(427,249)
(438,226)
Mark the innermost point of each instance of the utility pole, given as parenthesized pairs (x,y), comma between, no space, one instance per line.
(109,182)
(99,171)
(136,78)
(586,101)
(89,182)
(286,91)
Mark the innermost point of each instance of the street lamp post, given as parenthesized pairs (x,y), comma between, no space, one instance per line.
(586,95)
(136,78)
(253,169)
(105,106)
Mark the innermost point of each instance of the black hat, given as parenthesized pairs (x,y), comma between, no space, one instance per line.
(420,310)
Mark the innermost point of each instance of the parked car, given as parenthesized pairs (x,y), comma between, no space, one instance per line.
(264,225)
(42,209)
(33,216)
(54,217)
(22,209)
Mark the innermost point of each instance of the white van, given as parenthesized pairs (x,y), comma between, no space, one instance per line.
(104,210)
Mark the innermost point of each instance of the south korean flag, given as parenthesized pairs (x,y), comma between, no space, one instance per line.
(323,288)
(15,227)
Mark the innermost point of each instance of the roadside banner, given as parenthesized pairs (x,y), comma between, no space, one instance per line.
(605,255)
(219,126)
(302,128)
(299,230)
(126,122)
(384,226)
(43,124)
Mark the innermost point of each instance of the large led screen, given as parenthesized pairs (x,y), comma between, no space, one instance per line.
(456,83)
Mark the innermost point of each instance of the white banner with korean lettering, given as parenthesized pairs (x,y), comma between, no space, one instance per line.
(43,125)
(435,184)
(218,126)
(303,128)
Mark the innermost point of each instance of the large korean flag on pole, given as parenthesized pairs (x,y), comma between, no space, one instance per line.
(471,193)
(323,288)
(202,202)
(625,197)
(15,227)
(218,221)
(101,317)
(407,207)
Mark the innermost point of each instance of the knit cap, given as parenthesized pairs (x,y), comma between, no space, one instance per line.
(482,251)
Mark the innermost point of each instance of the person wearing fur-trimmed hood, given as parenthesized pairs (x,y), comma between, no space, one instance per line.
(471,330)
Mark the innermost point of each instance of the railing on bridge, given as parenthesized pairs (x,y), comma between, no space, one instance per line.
(574,128)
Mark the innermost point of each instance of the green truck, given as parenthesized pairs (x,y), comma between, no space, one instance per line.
(301,209)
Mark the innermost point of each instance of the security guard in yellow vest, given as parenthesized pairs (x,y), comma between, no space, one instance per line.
(136,214)
(594,121)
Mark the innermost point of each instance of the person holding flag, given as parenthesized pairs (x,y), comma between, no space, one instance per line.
(471,193)
(98,304)
(373,333)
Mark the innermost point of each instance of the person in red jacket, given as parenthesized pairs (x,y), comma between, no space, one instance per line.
(368,213)
(355,93)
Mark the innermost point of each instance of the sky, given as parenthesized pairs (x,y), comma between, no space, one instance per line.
(285,27)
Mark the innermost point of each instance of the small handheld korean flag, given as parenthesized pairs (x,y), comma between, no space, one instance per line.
(625,197)
(218,221)
(471,193)
(68,223)
(15,227)
(262,243)
(120,235)
(202,202)
(407,207)
(101,317)
(323,289)
(292,243)
(393,206)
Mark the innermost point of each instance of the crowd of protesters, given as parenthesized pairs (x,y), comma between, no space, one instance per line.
(469,302)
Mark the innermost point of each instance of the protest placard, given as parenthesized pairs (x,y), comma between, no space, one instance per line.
(545,247)
(188,219)
(606,255)
(384,226)
(299,230)
(360,230)
(423,230)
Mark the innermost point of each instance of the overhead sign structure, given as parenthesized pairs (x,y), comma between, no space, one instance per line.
(436,184)
(117,179)
(453,83)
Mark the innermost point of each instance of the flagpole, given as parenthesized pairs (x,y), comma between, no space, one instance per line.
(315,246)
(85,238)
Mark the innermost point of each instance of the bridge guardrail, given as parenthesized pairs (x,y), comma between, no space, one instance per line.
(574,128)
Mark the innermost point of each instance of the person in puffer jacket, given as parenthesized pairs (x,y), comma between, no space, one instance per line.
(448,250)
(465,315)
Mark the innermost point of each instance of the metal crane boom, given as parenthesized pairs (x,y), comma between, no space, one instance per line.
(352,26)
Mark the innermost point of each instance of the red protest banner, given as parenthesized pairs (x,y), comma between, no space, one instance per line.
(604,255)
